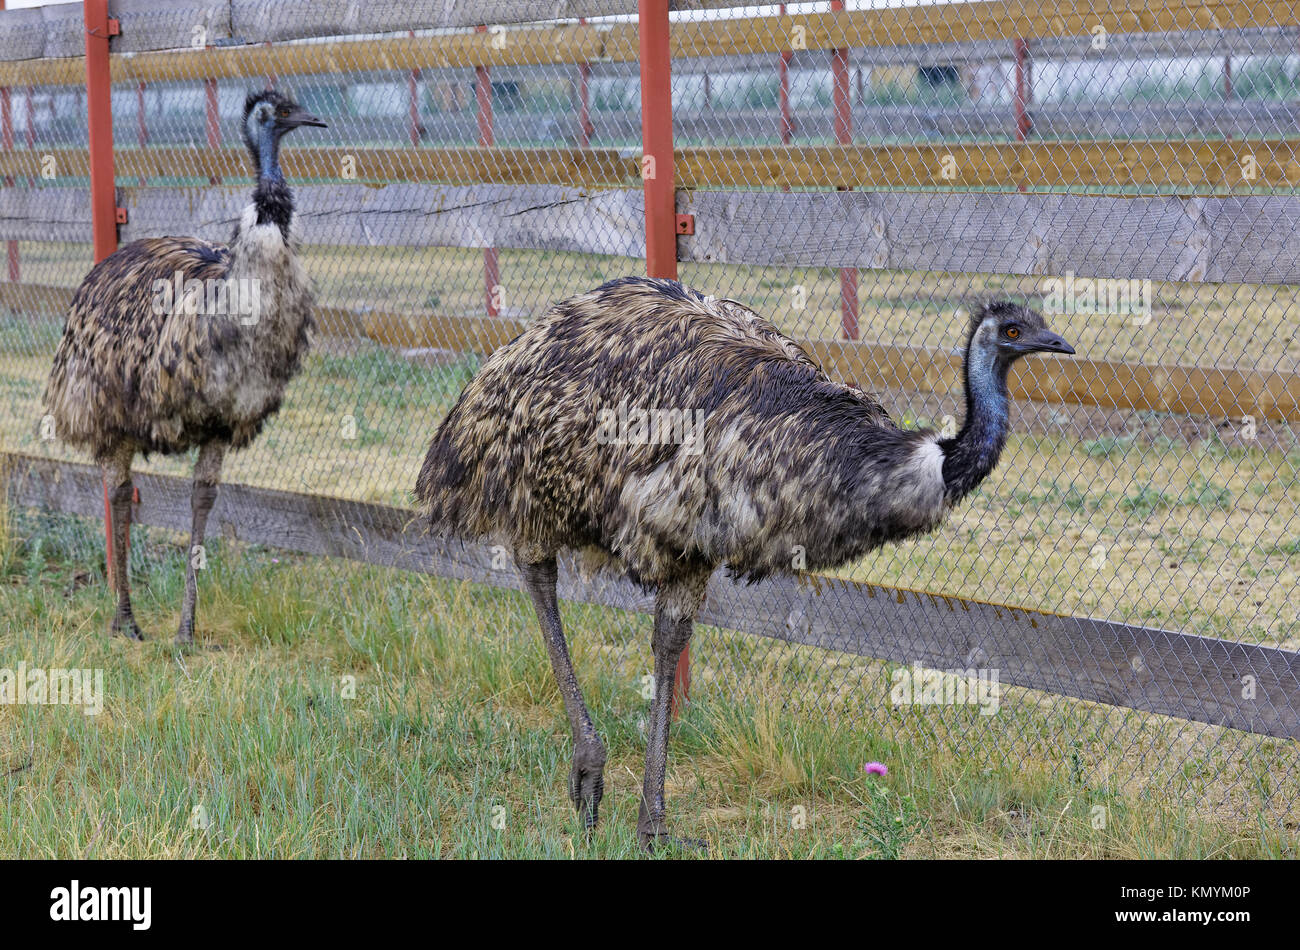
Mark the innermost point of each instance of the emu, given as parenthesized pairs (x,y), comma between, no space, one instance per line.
(784,463)
(174,343)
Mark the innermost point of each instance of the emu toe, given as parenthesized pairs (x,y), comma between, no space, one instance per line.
(653,841)
(587,782)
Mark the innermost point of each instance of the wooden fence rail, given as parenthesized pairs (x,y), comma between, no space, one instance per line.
(1155,671)
(42,48)
(1134,166)
(148,25)
(1106,384)
(1221,240)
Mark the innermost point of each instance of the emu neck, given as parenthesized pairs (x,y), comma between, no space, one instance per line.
(273,198)
(970,456)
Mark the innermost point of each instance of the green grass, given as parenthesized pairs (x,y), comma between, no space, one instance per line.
(455,742)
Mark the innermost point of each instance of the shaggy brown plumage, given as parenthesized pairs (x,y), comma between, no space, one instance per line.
(174,343)
(764,465)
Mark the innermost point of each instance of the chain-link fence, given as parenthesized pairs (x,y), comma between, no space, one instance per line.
(860,177)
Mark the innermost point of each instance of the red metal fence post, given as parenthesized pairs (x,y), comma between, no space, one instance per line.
(1021,96)
(841,98)
(212,121)
(787,118)
(7,144)
(486,139)
(103,194)
(413,103)
(659,183)
(141,125)
(585,128)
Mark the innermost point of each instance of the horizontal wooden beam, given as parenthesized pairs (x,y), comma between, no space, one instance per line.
(989,20)
(1080,381)
(1156,671)
(506,166)
(1247,240)
(1137,165)
(1003,20)
(1231,239)
(1256,41)
(37,298)
(56,30)
(542,217)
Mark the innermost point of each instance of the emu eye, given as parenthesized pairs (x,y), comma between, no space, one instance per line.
(1012,332)
(283,112)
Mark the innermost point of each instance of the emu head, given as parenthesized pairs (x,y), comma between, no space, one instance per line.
(1002,332)
(268,115)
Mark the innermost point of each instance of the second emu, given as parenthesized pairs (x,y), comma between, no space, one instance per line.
(780,460)
(173,343)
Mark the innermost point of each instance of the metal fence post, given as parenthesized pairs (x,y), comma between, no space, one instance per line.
(659,181)
(212,121)
(841,98)
(103,196)
(585,128)
(783,72)
(486,139)
(1022,90)
(141,126)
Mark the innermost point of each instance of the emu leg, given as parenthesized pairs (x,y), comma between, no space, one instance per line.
(587,776)
(207,474)
(675,609)
(121,490)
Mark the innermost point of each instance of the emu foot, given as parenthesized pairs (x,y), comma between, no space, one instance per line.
(124,625)
(656,841)
(587,780)
(185,638)
(654,836)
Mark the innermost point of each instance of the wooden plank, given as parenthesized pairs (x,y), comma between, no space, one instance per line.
(166,24)
(1080,381)
(570,43)
(256,22)
(1135,165)
(261,22)
(1002,20)
(1132,164)
(546,217)
(44,214)
(39,298)
(456,334)
(1108,384)
(1156,671)
(1224,240)
(516,166)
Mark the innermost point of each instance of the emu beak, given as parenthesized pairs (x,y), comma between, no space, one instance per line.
(1047,342)
(300,117)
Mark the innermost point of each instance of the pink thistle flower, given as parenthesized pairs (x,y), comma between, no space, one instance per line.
(875,768)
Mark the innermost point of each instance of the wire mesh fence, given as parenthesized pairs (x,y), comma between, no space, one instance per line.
(863,178)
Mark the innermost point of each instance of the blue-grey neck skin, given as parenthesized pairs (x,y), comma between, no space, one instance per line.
(268,153)
(974,452)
